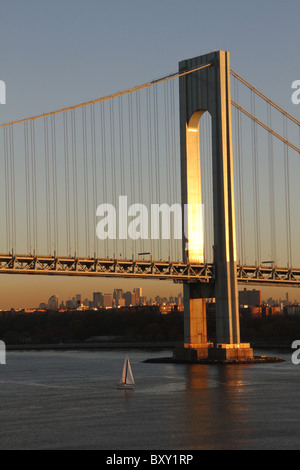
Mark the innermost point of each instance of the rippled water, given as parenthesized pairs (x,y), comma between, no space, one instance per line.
(69,400)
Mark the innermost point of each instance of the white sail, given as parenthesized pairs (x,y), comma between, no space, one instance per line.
(127,379)
(129,376)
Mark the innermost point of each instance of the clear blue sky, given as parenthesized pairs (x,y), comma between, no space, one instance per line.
(59,53)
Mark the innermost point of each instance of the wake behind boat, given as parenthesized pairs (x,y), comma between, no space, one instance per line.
(127,380)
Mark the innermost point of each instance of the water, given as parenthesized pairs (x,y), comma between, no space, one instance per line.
(69,400)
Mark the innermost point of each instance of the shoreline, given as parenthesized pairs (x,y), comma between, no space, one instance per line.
(124,345)
(93,346)
(213,362)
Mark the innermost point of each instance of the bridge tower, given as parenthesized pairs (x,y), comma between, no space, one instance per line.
(208,90)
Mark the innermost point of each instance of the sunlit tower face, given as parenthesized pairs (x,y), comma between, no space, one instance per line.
(194,215)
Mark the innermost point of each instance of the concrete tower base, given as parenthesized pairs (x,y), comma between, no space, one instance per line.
(214,353)
(192,353)
(231,352)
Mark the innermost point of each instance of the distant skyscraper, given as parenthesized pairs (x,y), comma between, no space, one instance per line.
(129,298)
(120,302)
(53,302)
(70,304)
(117,295)
(97,299)
(107,300)
(252,298)
(138,292)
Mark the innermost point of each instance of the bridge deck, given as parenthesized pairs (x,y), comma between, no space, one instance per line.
(147,269)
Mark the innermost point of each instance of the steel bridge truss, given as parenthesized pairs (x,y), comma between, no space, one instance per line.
(145,269)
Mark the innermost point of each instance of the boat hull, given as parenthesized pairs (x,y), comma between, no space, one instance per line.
(125,387)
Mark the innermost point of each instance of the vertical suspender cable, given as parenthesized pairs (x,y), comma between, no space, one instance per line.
(271,187)
(54,175)
(67,183)
(131,157)
(27,187)
(34,195)
(256,183)
(139,157)
(7,192)
(169,164)
(47,178)
(122,168)
(174,160)
(149,154)
(86,186)
(240,185)
(113,163)
(75,182)
(104,175)
(94,166)
(13,186)
(287,195)
(156,156)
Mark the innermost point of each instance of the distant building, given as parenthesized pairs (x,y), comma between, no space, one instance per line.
(129,298)
(107,300)
(138,295)
(53,303)
(118,297)
(250,312)
(120,302)
(252,298)
(97,299)
(292,310)
(70,304)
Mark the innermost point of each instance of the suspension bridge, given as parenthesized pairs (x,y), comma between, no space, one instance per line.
(200,136)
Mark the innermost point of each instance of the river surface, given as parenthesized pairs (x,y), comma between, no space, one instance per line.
(70,400)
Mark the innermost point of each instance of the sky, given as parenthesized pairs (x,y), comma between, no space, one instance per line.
(56,54)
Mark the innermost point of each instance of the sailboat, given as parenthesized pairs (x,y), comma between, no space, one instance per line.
(127,380)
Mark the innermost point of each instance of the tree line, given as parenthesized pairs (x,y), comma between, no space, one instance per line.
(131,324)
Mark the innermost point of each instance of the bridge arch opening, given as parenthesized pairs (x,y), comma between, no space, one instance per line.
(199,174)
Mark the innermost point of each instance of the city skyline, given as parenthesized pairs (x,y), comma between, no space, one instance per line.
(106,286)
(117,298)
